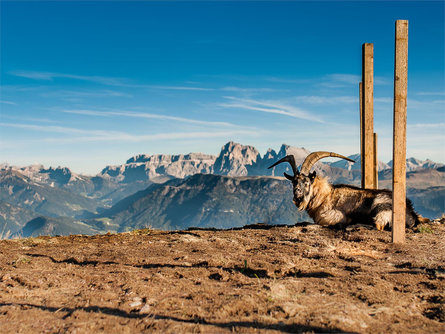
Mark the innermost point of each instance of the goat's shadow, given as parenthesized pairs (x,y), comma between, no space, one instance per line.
(285,328)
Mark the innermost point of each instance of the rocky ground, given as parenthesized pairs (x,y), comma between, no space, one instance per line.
(257,279)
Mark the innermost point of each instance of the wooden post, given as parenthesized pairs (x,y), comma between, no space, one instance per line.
(362,131)
(399,140)
(376,163)
(368,114)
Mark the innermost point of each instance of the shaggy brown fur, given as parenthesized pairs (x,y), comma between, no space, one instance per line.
(341,205)
(344,205)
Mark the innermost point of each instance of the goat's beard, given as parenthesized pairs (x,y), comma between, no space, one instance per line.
(301,205)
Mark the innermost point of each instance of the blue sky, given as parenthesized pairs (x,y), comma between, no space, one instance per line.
(89,84)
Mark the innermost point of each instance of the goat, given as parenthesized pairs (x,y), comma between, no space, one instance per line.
(341,205)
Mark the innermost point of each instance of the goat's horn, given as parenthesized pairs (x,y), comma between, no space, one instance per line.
(312,158)
(291,160)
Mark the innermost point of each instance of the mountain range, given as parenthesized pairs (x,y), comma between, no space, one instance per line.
(179,191)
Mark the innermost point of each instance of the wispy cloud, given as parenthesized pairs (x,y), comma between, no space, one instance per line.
(383,100)
(175,87)
(250,90)
(381,81)
(326,99)
(157,136)
(286,80)
(60,129)
(273,107)
(344,78)
(427,105)
(412,102)
(7,102)
(74,135)
(49,76)
(431,94)
(30,119)
(107,81)
(85,94)
(34,75)
(427,126)
(147,115)
(340,80)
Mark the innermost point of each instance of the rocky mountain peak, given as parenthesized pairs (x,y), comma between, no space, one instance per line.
(344,164)
(159,167)
(59,175)
(270,154)
(38,173)
(235,159)
(138,158)
(299,153)
(414,163)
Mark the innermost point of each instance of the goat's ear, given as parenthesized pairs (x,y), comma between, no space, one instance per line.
(312,176)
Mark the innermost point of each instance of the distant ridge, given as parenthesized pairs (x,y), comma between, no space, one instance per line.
(413,164)
(234,159)
(159,167)
(34,191)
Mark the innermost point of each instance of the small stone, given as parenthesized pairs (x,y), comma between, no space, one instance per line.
(137,301)
(145,309)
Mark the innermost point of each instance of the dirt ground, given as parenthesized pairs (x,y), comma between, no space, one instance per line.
(257,279)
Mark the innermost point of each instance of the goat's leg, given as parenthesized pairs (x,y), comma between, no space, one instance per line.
(381,211)
(332,217)
(382,219)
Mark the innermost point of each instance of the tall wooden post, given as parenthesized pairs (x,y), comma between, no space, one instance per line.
(368,114)
(376,163)
(399,140)
(362,132)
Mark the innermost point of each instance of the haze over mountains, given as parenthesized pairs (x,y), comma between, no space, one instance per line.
(178,191)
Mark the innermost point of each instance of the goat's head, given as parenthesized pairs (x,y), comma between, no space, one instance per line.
(302,180)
